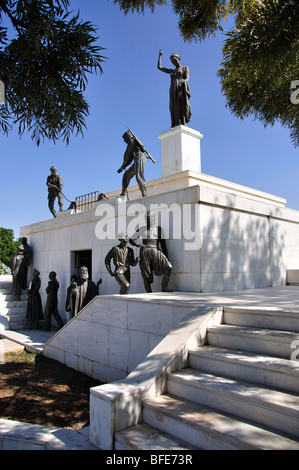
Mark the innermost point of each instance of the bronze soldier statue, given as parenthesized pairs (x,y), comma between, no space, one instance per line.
(135,154)
(153,260)
(54,183)
(123,257)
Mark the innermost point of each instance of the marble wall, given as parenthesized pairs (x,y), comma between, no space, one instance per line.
(113,334)
(220,236)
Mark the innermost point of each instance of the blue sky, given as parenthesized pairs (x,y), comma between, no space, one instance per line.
(133,92)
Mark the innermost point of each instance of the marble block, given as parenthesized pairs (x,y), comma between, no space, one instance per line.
(180,150)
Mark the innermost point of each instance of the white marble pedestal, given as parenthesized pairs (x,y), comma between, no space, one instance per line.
(180,150)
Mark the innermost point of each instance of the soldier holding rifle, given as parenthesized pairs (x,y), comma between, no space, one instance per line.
(137,154)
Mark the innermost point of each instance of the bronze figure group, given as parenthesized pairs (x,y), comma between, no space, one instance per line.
(153,257)
(153,261)
(134,159)
(79,294)
(34,304)
(81,291)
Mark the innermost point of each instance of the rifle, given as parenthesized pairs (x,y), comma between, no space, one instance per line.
(142,146)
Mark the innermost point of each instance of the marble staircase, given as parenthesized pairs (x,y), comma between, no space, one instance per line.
(240,390)
(12,312)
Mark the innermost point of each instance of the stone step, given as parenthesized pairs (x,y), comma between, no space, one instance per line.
(7,299)
(5,286)
(5,291)
(275,372)
(14,309)
(275,343)
(263,406)
(271,319)
(145,437)
(16,317)
(12,312)
(208,429)
(19,325)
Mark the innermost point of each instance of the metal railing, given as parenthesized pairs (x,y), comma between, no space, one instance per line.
(86,201)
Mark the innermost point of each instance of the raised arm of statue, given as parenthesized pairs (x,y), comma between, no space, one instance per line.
(163,69)
(134,239)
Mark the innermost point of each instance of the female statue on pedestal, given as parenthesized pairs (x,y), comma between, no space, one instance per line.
(179,92)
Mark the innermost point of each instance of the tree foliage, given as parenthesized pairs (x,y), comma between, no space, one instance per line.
(129,6)
(261,61)
(8,246)
(198,19)
(260,55)
(44,68)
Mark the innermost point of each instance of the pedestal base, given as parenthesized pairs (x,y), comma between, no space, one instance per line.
(180,150)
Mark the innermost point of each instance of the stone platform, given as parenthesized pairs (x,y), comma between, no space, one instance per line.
(269,298)
(128,328)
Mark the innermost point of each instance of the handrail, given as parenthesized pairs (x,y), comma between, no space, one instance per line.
(86,201)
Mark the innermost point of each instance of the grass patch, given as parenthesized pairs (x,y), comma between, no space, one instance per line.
(21,357)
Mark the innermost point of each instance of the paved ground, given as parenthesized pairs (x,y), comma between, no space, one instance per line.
(33,340)
(284,297)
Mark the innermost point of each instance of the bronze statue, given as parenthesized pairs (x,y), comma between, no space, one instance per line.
(153,260)
(123,258)
(179,92)
(34,303)
(69,302)
(26,260)
(17,270)
(54,183)
(85,291)
(51,307)
(137,154)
